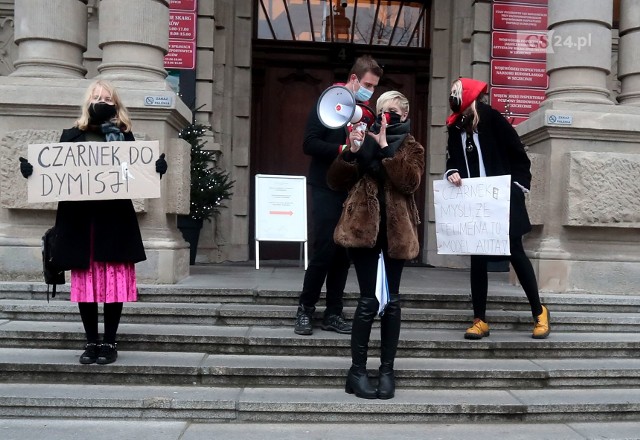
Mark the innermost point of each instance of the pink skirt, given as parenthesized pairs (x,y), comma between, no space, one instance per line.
(104,282)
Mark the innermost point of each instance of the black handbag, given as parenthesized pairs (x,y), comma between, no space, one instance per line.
(52,274)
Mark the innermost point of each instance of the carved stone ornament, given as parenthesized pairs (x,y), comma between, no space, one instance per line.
(8,49)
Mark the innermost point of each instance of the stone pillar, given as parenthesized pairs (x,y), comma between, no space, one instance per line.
(51,36)
(628,56)
(134,39)
(580,50)
(585,162)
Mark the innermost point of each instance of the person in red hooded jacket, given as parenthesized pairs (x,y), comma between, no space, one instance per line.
(481,142)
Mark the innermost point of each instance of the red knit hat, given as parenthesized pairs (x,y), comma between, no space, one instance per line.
(471,89)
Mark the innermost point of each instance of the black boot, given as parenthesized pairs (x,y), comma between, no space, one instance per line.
(358,380)
(389,334)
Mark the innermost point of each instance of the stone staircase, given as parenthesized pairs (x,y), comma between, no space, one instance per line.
(210,355)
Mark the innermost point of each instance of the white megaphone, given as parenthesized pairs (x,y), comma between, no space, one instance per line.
(337,107)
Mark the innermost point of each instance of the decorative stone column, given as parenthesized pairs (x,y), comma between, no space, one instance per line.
(51,36)
(134,39)
(628,56)
(585,160)
(580,50)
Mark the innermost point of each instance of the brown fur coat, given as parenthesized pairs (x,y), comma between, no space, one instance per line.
(360,220)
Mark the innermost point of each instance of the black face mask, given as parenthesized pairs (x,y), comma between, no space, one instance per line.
(101,112)
(392,118)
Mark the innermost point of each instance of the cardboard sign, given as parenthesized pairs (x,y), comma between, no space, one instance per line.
(473,219)
(93,171)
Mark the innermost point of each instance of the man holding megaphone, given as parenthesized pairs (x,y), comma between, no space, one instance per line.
(329,129)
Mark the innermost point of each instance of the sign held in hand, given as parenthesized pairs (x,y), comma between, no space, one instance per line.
(473,219)
(93,171)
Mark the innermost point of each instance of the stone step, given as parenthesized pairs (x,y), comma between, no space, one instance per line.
(444,298)
(441,343)
(330,405)
(19,365)
(65,429)
(276,315)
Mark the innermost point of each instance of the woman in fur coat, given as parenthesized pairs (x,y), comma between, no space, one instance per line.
(381,171)
(482,143)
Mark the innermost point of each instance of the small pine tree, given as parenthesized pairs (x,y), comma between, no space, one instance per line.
(210,186)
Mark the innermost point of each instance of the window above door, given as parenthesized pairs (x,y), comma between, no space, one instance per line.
(366,22)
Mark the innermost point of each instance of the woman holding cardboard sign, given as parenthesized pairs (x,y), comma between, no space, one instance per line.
(99,240)
(379,223)
(483,143)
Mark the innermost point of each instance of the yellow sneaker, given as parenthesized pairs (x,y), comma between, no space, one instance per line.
(542,327)
(478,330)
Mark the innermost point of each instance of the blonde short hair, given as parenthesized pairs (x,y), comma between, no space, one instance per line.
(392,95)
(121,119)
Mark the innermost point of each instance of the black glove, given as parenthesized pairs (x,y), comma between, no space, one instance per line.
(161,165)
(26,168)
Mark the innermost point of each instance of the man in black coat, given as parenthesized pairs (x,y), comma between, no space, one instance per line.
(329,261)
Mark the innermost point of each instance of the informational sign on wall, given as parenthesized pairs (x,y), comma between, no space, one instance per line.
(519,47)
(281,210)
(473,219)
(93,171)
(183,20)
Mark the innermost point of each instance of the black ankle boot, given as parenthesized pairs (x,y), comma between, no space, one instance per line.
(358,383)
(108,354)
(386,383)
(90,354)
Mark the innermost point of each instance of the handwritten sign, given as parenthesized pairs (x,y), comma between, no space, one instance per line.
(93,171)
(473,219)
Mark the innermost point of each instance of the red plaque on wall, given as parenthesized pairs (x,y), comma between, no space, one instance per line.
(521,2)
(182,25)
(519,18)
(519,73)
(520,45)
(182,5)
(182,55)
(520,101)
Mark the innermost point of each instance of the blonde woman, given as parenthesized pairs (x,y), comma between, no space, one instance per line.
(483,143)
(381,171)
(99,240)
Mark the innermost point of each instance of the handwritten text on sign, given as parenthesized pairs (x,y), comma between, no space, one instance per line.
(93,171)
(473,218)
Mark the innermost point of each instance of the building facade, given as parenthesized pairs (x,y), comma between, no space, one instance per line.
(256,77)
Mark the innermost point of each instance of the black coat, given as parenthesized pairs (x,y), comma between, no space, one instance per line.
(502,153)
(116,232)
(322,144)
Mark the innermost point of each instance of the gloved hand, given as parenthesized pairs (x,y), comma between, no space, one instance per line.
(161,165)
(25,167)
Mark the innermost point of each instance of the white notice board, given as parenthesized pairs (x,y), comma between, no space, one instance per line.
(281,210)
